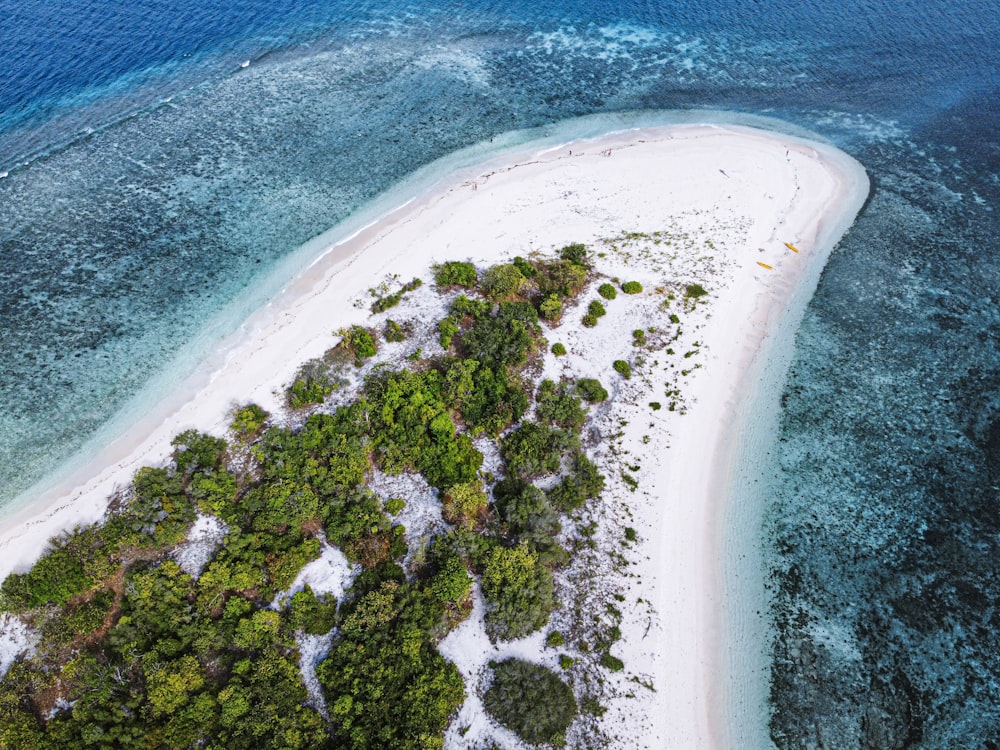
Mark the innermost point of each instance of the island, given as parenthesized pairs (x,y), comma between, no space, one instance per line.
(468,481)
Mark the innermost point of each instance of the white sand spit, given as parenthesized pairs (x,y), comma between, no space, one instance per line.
(727,198)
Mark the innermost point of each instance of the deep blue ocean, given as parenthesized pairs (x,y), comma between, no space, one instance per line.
(152,183)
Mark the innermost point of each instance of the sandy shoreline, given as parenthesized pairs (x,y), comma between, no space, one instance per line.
(750,191)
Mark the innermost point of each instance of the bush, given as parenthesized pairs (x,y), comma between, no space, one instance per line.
(584,482)
(607,290)
(631,287)
(312,385)
(531,701)
(562,278)
(591,390)
(695,291)
(589,321)
(566,661)
(464,505)
(596,309)
(612,662)
(503,281)
(519,592)
(576,253)
(555,639)
(551,307)
(394,332)
(394,505)
(359,342)
(248,421)
(455,273)
(447,328)
(623,368)
(535,449)
(527,270)
(558,406)
(525,509)
(559,349)
(638,337)
(503,340)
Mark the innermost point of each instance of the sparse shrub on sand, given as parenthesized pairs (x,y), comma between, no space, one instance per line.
(591,390)
(455,273)
(631,287)
(623,368)
(559,349)
(607,290)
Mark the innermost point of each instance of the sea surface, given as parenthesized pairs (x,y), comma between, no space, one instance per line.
(161,163)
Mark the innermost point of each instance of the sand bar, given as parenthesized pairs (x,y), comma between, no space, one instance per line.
(764,188)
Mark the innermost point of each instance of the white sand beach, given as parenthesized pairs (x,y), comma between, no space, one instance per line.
(730,198)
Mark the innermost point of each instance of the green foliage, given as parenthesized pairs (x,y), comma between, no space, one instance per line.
(411,428)
(527,270)
(465,505)
(583,482)
(589,321)
(503,340)
(630,534)
(503,281)
(655,405)
(591,390)
(596,309)
(385,684)
(562,277)
(559,349)
(315,615)
(447,328)
(576,253)
(394,332)
(55,578)
(455,273)
(451,583)
(551,307)
(695,291)
(612,662)
(531,701)
(359,342)
(638,337)
(558,405)
(394,505)
(464,307)
(391,300)
(495,400)
(535,449)
(248,421)
(631,287)
(198,451)
(312,385)
(555,639)
(519,592)
(623,368)
(607,290)
(566,661)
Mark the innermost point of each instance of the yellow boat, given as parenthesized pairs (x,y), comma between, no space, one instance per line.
(764,265)
(791,247)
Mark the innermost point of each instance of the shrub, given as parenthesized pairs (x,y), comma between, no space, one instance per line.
(566,661)
(534,449)
(394,332)
(455,273)
(655,405)
(623,368)
(589,321)
(631,287)
(519,592)
(695,291)
(559,349)
(359,342)
(551,307)
(502,340)
(584,482)
(596,309)
(531,701)
(525,509)
(576,253)
(555,639)
(311,386)
(527,270)
(591,390)
(464,505)
(562,278)
(558,406)
(630,534)
(607,290)
(503,281)
(394,505)
(248,421)
(447,328)
(638,337)
(612,662)
(313,614)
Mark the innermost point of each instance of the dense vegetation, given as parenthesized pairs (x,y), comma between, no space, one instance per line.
(138,653)
(531,701)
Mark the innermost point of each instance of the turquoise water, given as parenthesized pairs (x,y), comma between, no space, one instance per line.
(155,189)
